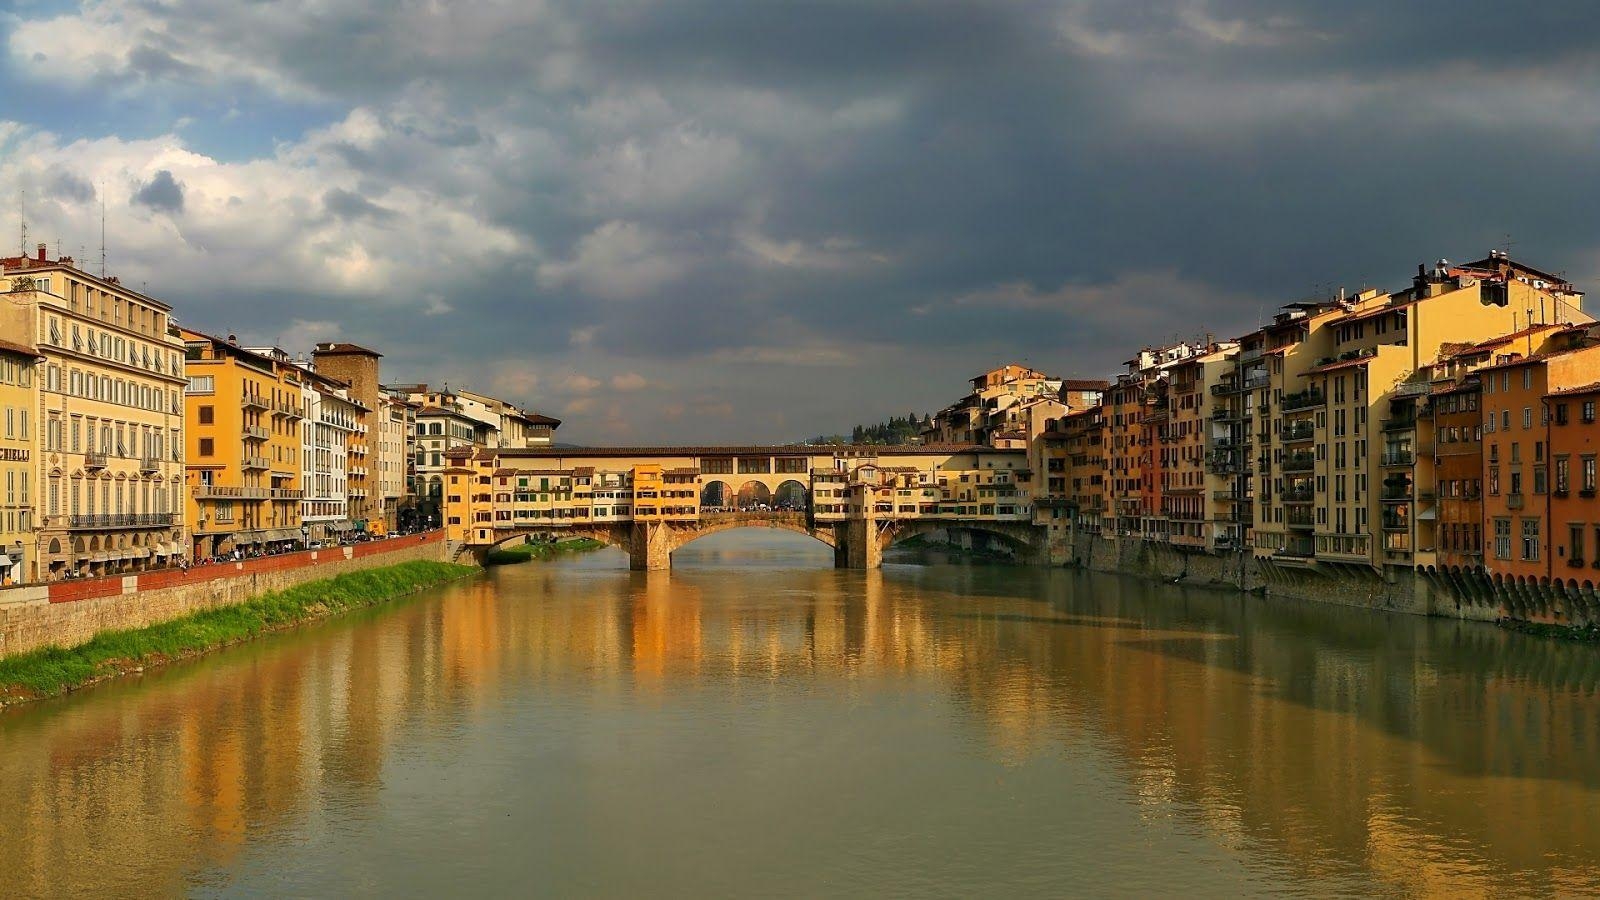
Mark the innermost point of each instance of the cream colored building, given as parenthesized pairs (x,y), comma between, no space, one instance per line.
(107,486)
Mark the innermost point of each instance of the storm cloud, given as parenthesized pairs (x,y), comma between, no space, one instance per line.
(763,221)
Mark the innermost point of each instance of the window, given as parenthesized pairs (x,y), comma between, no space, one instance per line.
(208,415)
(1575,542)
(207,447)
(1530,540)
(1561,414)
(202,384)
(1502,538)
(1588,411)
(1588,473)
(1527,417)
(1563,473)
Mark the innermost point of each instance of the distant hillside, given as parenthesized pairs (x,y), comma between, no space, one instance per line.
(897,430)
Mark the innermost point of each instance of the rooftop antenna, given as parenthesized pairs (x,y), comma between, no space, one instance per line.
(1509,244)
(102,231)
(22,219)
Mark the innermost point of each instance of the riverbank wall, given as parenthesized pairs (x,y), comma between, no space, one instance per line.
(67,613)
(1474,595)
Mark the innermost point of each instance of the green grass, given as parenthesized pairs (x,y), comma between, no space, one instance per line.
(521,553)
(53,670)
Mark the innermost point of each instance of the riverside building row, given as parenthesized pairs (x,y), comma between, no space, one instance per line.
(1448,425)
(129,441)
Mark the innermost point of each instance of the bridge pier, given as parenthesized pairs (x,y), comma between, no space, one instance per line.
(650,547)
(859,545)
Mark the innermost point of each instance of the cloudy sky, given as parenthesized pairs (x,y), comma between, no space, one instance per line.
(736,221)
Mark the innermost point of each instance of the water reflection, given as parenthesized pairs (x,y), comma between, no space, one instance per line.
(1295,743)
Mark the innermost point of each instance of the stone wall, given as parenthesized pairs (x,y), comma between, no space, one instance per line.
(67,613)
(1397,590)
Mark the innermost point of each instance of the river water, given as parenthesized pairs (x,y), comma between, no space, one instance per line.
(758,723)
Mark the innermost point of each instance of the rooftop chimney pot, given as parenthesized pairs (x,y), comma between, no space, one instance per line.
(41,252)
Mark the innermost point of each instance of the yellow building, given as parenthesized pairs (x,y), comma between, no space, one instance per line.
(244,411)
(19,399)
(111,414)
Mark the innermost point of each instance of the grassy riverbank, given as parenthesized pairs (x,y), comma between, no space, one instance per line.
(50,671)
(521,553)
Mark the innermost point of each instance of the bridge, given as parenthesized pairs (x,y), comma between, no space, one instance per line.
(650,501)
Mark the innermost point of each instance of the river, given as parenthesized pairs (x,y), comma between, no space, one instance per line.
(758,723)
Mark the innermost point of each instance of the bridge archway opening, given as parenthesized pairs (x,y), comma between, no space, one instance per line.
(753,495)
(716,495)
(791,496)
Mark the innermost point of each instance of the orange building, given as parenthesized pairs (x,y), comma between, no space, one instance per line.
(1574,510)
(243,474)
(1516,438)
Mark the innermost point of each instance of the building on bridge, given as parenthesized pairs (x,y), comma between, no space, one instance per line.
(857,499)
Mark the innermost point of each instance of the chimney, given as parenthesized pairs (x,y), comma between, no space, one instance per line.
(41,252)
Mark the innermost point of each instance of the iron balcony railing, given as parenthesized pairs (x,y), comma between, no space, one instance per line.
(255,462)
(1400,423)
(1302,400)
(1398,457)
(228,492)
(256,432)
(150,463)
(255,401)
(121,520)
(1299,462)
(94,459)
(1300,431)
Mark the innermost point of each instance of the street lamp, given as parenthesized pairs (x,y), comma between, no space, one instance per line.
(305,536)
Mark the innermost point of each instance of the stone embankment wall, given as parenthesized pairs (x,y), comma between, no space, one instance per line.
(67,613)
(1401,590)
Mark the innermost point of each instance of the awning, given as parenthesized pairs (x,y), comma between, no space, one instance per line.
(5,561)
(340,526)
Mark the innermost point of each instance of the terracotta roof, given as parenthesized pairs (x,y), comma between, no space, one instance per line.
(784,450)
(507,473)
(1085,384)
(19,349)
(337,348)
(1374,313)
(1592,388)
(682,470)
(583,471)
(538,419)
(1341,364)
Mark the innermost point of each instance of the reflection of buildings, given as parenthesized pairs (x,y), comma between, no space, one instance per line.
(1319,739)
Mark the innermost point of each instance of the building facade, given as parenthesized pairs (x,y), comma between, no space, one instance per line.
(108,484)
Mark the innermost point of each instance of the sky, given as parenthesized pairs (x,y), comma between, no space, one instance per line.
(701,221)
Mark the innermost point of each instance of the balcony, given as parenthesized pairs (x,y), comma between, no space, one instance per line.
(1396,491)
(255,401)
(1298,462)
(1226,386)
(1299,519)
(1398,457)
(1413,389)
(288,408)
(148,464)
(1224,416)
(286,493)
(228,492)
(1231,497)
(1401,423)
(254,462)
(1298,495)
(1299,431)
(1302,400)
(1396,523)
(256,433)
(1514,501)
(94,459)
(358,449)
(1255,382)
(122,520)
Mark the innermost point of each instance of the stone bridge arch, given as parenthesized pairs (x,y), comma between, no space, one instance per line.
(1025,538)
